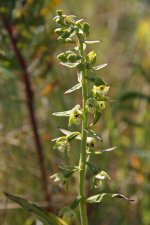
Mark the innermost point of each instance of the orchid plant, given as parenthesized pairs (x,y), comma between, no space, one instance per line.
(94,101)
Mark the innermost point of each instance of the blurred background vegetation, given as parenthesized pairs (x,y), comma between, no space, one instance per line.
(32,84)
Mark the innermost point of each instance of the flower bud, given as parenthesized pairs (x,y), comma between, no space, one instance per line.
(101,90)
(91,58)
(86,28)
(91,142)
(58,31)
(102,105)
(76,116)
(66,34)
(59,12)
(62,57)
(72,58)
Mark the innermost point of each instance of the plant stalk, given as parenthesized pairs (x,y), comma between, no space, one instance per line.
(82,162)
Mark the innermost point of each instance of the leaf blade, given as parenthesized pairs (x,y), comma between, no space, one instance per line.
(47,219)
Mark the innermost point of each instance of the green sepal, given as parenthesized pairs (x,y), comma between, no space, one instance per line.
(67,133)
(72,136)
(86,28)
(92,167)
(71,120)
(62,57)
(96,80)
(99,197)
(75,202)
(106,150)
(65,113)
(122,196)
(96,198)
(100,66)
(74,88)
(91,58)
(58,177)
(70,65)
(59,12)
(65,40)
(92,182)
(92,42)
(93,134)
(102,176)
(96,118)
(72,58)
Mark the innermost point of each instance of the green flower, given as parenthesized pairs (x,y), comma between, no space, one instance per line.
(102,105)
(76,116)
(101,90)
(91,142)
(92,105)
(62,144)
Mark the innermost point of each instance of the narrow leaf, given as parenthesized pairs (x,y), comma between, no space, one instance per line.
(47,219)
(74,88)
(100,66)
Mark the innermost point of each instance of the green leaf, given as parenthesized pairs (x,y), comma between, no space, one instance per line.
(96,118)
(44,217)
(96,80)
(100,66)
(133,95)
(93,134)
(71,65)
(96,198)
(65,113)
(92,42)
(74,88)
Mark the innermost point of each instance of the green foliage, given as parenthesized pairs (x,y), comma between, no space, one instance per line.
(44,217)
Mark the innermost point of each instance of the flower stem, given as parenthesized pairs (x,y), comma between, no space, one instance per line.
(82,162)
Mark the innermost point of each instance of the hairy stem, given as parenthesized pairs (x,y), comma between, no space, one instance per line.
(82,163)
